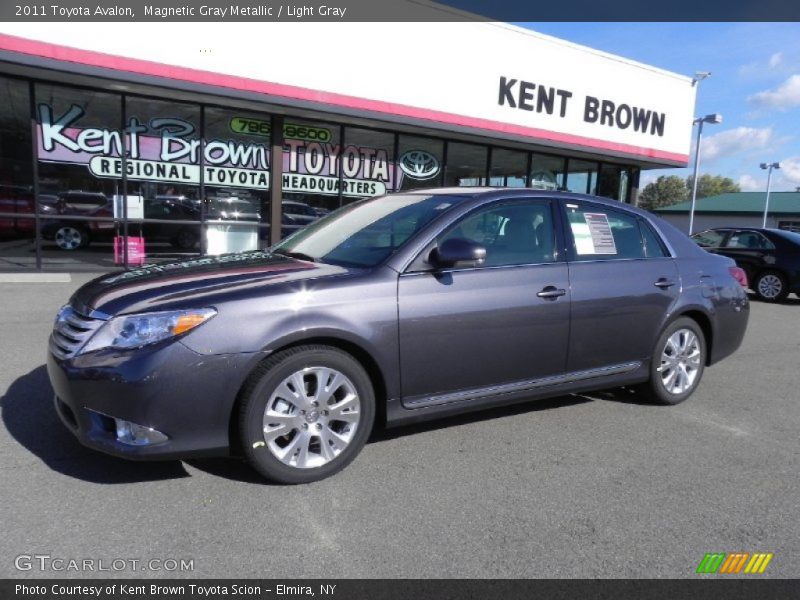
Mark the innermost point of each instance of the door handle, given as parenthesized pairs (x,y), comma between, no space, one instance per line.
(664,283)
(551,292)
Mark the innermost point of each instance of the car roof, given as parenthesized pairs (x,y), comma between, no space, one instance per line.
(501,192)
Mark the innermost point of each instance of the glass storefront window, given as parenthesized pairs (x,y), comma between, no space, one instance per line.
(419,162)
(312,159)
(508,168)
(79,145)
(547,172)
(16,177)
(163,169)
(375,172)
(613,182)
(581,176)
(466,165)
(237,143)
(81,135)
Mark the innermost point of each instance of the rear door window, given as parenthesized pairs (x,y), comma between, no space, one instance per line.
(749,240)
(599,233)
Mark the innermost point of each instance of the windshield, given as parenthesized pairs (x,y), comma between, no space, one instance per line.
(366,233)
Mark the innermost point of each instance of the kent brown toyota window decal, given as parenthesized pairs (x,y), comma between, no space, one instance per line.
(174,155)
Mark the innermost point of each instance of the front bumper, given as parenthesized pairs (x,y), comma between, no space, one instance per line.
(186,395)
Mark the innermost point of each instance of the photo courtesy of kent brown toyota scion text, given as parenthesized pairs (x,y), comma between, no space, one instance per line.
(389,311)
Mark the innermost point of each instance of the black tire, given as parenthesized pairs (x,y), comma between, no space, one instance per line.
(656,390)
(70,237)
(265,381)
(771,286)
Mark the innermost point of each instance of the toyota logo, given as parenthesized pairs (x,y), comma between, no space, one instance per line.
(419,164)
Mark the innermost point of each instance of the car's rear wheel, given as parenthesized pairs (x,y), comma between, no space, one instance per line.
(770,286)
(68,237)
(306,414)
(679,358)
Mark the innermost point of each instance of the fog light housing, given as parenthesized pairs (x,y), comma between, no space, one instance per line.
(133,434)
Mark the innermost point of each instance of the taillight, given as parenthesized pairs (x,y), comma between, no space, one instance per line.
(739,275)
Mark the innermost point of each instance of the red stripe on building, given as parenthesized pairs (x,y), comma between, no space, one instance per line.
(196,76)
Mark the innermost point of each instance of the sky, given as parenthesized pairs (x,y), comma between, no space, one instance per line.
(754,85)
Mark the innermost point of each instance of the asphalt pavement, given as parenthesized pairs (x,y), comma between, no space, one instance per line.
(596,485)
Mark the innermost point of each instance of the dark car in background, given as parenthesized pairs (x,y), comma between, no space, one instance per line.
(14,201)
(70,232)
(769,257)
(74,232)
(397,309)
(300,212)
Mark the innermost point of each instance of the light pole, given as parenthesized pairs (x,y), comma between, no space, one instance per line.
(714,119)
(768,167)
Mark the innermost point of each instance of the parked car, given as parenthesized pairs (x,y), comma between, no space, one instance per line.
(73,233)
(14,201)
(401,308)
(299,212)
(769,257)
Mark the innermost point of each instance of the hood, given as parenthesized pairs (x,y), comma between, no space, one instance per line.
(194,283)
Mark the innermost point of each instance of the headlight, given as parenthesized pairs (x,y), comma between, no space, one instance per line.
(135,331)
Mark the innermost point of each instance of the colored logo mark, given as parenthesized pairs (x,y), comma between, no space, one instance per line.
(734,562)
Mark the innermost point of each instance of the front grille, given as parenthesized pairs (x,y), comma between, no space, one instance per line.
(72,330)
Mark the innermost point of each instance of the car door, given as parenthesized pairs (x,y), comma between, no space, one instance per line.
(469,328)
(623,283)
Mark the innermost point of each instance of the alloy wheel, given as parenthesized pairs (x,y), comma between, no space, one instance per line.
(68,238)
(680,361)
(311,417)
(770,286)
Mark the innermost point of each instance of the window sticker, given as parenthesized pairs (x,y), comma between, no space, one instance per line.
(594,236)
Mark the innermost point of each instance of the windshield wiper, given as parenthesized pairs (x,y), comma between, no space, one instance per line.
(298,255)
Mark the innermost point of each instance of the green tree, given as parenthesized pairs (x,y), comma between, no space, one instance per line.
(712,185)
(664,191)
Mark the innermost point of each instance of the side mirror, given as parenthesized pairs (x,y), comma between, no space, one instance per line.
(458,250)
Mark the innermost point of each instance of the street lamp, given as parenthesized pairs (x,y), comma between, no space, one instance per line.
(713,119)
(768,167)
(699,76)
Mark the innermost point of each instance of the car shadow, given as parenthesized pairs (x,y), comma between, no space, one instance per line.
(487,414)
(238,470)
(29,416)
(624,395)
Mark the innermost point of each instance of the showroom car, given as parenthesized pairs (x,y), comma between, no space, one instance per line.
(769,257)
(390,310)
(300,212)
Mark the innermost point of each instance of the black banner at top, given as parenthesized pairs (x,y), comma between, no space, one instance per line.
(395,10)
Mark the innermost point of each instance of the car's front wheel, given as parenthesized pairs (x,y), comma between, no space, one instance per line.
(68,237)
(306,414)
(679,358)
(770,286)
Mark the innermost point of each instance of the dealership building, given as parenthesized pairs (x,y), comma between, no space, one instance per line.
(163,134)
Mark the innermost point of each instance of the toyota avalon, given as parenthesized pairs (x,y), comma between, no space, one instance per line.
(388,311)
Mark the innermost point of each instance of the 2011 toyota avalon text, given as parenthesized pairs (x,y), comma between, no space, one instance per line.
(389,311)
